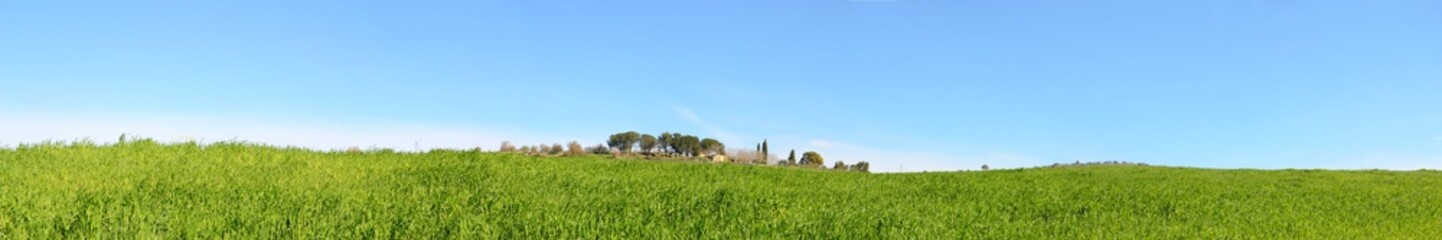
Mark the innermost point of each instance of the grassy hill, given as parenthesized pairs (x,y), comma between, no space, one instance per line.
(145,189)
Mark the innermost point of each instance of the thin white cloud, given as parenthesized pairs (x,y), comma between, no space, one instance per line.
(719,133)
(29,128)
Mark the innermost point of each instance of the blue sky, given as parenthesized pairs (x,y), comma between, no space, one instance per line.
(905,84)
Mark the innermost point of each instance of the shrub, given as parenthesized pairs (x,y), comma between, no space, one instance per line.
(862,166)
(840,166)
(745,156)
(599,149)
(556,149)
(506,146)
(574,148)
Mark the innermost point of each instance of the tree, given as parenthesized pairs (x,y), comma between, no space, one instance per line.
(678,144)
(712,146)
(664,141)
(624,141)
(632,138)
(791,158)
(690,145)
(812,159)
(840,166)
(766,151)
(648,142)
(543,149)
(759,156)
(617,140)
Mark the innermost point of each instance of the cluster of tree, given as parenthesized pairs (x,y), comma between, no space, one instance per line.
(669,144)
(812,159)
(570,149)
(861,166)
(809,159)
(764,149)
(676,144)
(748,156)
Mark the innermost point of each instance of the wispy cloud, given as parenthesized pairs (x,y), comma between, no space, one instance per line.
(720,133)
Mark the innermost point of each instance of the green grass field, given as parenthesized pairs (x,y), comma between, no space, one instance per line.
(229,190)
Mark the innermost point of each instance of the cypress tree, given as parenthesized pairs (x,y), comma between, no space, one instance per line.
(765,151)
(791,158)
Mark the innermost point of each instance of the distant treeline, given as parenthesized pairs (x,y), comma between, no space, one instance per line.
(678,146)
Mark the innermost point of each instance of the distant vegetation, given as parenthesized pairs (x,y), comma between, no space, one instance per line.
(677,146)
(1080,163)
(143,189)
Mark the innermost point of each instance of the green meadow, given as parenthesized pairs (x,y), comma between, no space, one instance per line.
(145,189)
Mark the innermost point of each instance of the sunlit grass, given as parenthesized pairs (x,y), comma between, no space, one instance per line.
(147,189)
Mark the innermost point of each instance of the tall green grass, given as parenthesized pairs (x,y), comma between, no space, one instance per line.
(143,189)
